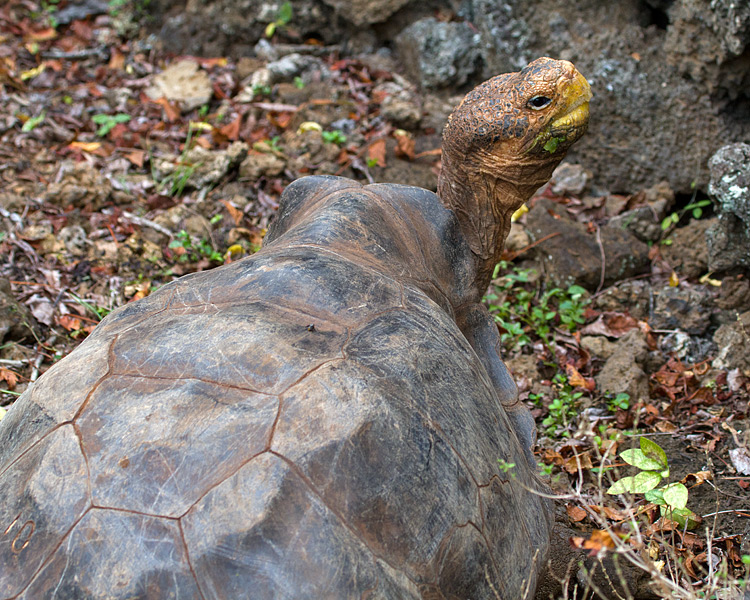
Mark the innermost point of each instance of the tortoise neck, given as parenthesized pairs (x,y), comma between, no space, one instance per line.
(483,205)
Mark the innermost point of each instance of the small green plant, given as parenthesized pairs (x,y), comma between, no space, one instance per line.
(177,180)
(572,307)
(48,10)
(563,408)
(619,401)
(107,122)
(282,19)
(336,137)
(521,313)
(261,90)
(98,312)
(372,162)
(192,250)
(32,122)
(138,7)
(695,208)
(652,462)
(299,83)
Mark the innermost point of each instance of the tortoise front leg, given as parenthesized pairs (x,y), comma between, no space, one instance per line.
(480,330)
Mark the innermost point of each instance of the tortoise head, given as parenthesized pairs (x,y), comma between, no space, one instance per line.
(503,142)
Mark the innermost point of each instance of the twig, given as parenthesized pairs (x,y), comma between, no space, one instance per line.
(604,258)
(14,363)
(515,254)
(141,222)
(40,357)
(100,52)
(723,512)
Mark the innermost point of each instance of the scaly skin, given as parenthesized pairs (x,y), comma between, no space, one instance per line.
(498,149)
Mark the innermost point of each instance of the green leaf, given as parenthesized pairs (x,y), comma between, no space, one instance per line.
(645,481)
(621,486)
(666,222)
(676,495)
(684,517)
(31,123)
(270,30)
(637,458)
(656,496)
(653,451)
(640,484)
(697,213)
(285,13)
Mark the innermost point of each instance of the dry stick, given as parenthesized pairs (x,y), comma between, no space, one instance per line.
(141,222)
(604,258)
(516,253)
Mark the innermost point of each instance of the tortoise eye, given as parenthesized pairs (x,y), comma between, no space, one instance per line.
(538,102)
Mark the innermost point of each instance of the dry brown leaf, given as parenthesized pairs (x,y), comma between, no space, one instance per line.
(404,145)
(84,146)
(376,152)
(611,324)
(575,513)
(599,540)
(9,377)
(666,427)
(170,112)
(697,478)
(232,130)
(137,157)
(69,322)
(235,213)
(582,461)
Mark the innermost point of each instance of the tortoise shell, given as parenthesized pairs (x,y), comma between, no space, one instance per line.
(309,422)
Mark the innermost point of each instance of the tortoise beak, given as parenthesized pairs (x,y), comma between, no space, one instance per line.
(576,94)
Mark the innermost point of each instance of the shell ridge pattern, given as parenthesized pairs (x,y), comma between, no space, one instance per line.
(189,560)
(51,555)
(352,530)
(110,366)
(193,378)
(229,475)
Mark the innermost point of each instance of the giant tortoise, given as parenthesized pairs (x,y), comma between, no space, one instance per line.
(323,419)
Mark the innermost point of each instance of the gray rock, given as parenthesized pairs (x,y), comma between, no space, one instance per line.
(733,340)
(734,294)
(182,82)
(633,297)
(622,371)
(366,12)
(573,255)
(599,346)
(651,205)
(199,167)
(688,253)
(258,164)
(295,65)
(685,308)
(400,105)
(688,348)
(16,321)
(438,54)
(729,238)
(569,179)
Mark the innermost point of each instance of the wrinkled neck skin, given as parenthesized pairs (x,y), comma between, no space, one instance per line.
(483,200)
